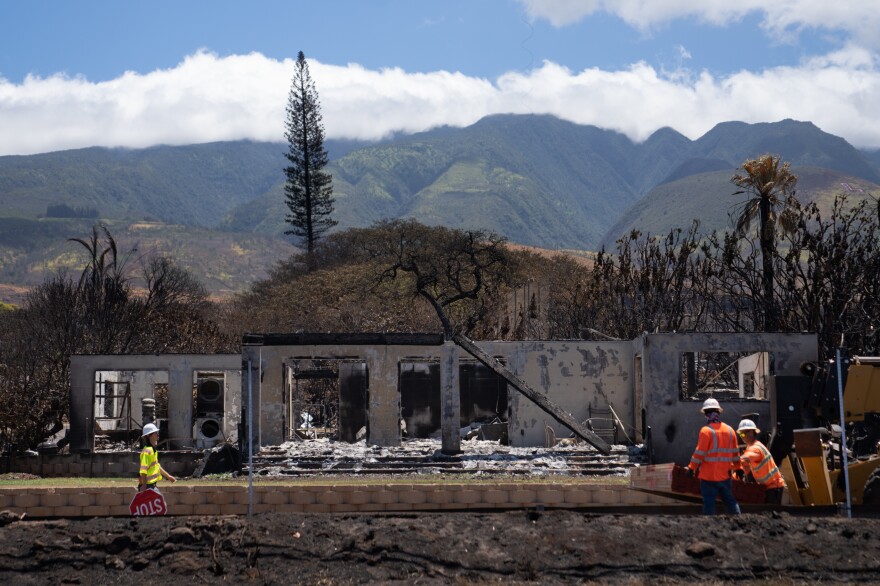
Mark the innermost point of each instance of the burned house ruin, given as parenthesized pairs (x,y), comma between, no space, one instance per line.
(388,388)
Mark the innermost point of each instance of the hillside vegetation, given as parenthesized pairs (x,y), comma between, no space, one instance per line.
(537,180)
(225,262)
(709,197)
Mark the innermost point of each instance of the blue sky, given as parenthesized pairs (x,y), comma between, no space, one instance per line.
(136,74)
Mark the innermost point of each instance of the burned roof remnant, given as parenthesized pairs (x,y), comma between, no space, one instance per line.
(357,339)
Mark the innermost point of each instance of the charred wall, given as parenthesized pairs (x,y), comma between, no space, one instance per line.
(573,375)
(675,422)
(180,369)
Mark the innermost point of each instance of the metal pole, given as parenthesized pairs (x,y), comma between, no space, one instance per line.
(250,445)
(843,437)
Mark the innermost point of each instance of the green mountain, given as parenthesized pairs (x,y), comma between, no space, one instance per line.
(800,143)
(194,185)
(538,180)
(710,198)
(545,182)
(873,156)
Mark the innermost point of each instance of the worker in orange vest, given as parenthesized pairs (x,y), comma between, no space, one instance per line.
(715,458)
(756,459)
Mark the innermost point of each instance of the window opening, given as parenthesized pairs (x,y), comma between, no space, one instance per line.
(727,376)
(420,405)
(112,410)
(484,402)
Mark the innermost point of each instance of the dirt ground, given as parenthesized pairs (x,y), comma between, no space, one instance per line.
(546,547)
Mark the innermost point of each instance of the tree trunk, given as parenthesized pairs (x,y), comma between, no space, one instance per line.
(767,277)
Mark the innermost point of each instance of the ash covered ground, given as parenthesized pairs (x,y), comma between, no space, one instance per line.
(549,547)
(511,547)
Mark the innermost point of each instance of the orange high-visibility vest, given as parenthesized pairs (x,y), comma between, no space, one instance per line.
(759,462)
(717,452)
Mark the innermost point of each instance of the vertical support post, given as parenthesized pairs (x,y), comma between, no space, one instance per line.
(180,405)
(82,405)
(843,455)
(450,420)
(250,443)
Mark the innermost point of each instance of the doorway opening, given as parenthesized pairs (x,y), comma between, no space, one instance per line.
(326,398)
(420,404)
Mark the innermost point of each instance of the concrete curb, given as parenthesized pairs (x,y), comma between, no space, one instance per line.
(226,499)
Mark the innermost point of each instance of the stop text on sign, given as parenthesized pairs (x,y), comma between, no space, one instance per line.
(153,507)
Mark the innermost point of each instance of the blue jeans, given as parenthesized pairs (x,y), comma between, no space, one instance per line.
(710,491)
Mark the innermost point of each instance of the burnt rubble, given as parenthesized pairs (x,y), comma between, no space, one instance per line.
(324,457)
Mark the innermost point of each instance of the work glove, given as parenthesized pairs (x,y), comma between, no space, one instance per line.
(739,474)
(690,472)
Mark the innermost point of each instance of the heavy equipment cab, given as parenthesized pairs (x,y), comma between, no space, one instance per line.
(806,436)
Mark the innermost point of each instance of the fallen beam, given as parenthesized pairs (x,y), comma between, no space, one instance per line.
(537,398)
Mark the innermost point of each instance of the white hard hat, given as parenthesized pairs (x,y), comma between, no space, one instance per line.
(748,424)
(149,428)
(711,404)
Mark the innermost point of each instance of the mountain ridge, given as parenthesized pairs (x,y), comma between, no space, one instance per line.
(536,179)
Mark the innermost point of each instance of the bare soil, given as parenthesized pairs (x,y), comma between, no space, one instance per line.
(546,547)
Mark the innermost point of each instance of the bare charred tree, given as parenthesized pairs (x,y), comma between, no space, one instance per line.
(457,272)
(654,282)
(177,313)
(830,276)
(34,365)
(733,286)
(101,312)
(648,285)
(825,278)
(571,306)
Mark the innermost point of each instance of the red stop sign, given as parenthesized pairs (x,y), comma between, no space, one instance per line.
(147,503)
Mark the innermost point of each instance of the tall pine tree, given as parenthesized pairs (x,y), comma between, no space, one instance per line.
(309,190)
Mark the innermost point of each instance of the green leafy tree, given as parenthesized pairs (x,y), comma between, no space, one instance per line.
(309,190)
(771,186)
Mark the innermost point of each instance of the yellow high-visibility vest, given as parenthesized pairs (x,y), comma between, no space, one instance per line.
(150,465)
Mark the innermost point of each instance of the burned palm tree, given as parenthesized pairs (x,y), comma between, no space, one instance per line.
(771,186)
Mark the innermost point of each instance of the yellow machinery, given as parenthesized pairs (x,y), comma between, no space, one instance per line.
(807,433)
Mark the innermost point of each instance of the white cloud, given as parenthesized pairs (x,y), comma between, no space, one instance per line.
(860,18)
(560,12)
(208,98)
(203,99)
